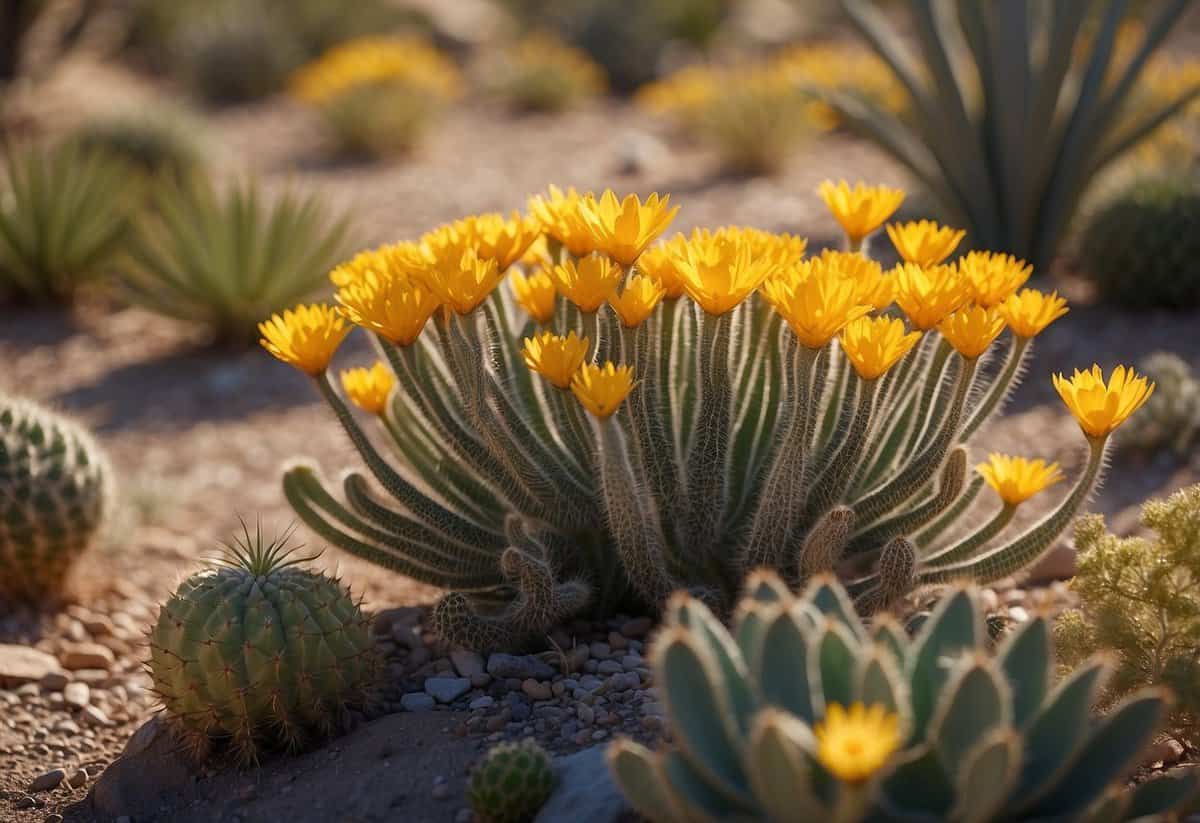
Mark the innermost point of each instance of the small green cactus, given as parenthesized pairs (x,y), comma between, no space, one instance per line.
(1171,417)
(256,654)
(55,492)
(511,783)
(802,713)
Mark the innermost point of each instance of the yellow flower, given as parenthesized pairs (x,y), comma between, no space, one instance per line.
(875,344)
(639,298)
(623,229)
(972,329)
(1016,479)
(871,285)
(555,358)
(536,294)
(1031,311)
(816,301)
(305,337)
(375,61)
(369,388)
(587,282)
(862,210)
(661,264)
(561,217)
(462,282)
(719,269)
(392,257)
(490,236)
(601,389)
(927,295)
(993,277)
(925,242)
(782,249)
(389,303)
(855,744)
(1100,408)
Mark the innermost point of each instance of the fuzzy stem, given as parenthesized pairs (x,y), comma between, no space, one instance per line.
(966,547)
(706,469)
(1000,388)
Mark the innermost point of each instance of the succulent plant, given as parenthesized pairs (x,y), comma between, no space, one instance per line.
(1171,418)
(511,783)
(64,214)
(160,143)
(802,712)
(1140,249)
(257,654)
(228,259)
(55,495)
(540,73)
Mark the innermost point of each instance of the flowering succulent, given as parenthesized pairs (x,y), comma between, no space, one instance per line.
(685,413)
(369,388)
(924,242)
(1029,312)
(1016,479)
(861,210)
(854,744)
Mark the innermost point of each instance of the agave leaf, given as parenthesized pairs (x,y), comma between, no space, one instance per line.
(988,772)
(1026,658)
(638,775)
(695,794)
(831,667)
(956,627)
(830,600)
(973,704)
(890,635)
(751,630)
(1143,128)
(1163,794)
(879,682)
(917,787)
(780,769)
(783,673)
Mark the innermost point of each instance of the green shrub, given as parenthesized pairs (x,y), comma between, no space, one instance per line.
(1142,250)
(511,783)
(804,713)
(230,259)
(539,73)
(1140,598)
(64,215)
(159,143)
(1171,417)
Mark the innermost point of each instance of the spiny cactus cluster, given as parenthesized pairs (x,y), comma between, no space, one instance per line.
(781,414)
(55,493)
(1171,418)
(803,713)
(511,783)
(256,654)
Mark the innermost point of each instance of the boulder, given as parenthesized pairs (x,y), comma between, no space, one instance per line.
(586,792)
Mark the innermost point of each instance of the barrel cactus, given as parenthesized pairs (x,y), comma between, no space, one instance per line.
(1171,418)
(511,783)
(55,493)
(802,712)
(257,654)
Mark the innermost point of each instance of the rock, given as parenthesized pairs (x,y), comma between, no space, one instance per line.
(417,702)
(77,695)
(54,681)
(586,792)
(78,778)
(86,656)
(467,663)
(536,690)
(93,716)
(447,689)
(485,702)
(519,667)
(1057,564)
(46,782)
(1168,752)
(152,766)
(20,665)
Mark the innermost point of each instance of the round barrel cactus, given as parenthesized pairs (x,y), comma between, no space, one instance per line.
(54,495)
(257,654)
(511,783)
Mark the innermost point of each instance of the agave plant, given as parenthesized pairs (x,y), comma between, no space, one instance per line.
(803,713)
(64,215)
(1012,162)
(228,259)
(640,442)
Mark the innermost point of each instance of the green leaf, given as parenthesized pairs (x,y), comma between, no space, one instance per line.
(779,762)
(955,628)
(831,667)
(973,704)
(1026,659)
(988,772)
(1166,793)
(918,786)
(637,774)
(829,598)
(879,682)
(783,668)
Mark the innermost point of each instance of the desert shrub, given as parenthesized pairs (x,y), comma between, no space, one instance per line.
(228,259)
(1171,417)
(1140,599)
(540,73)
(162,144)
(1142,249)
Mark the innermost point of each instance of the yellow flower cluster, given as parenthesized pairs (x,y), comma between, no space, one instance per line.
(542,59)
(371,61)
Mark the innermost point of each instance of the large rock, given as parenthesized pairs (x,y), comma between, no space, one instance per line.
(153,765)
(21,664)
(586,792)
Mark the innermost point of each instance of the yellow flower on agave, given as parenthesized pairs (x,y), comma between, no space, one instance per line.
(390,303)
(861,210)
(463,282)
(561,217)
(535,293)
(928,294)
(369,388)
(661,264)
(817,301)
(871,285)
(602,389)
(1100,407)
(587,282)
(993,277)
(1031,311)
(972,329)
(924,242)
(554,357)
(875,344)
(305,337)
(624,228)
(855,744)
(1016,479)
(719,269)
(634,304)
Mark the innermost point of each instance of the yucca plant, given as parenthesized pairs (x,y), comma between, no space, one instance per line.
(1012,161)
(640,442)
(64,214)
(227,259)
(803,713)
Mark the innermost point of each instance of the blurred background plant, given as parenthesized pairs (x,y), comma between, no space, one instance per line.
(228,259)
(541,73)
(159,142)
(1140,599)
(378,95)
(1170,420)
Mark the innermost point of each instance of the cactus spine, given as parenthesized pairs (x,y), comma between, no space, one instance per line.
(511,783)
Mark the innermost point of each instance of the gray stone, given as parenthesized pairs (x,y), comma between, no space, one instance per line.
(49,780)
(20,665)
(153,766)
(536,690)
(519,667)
(586,792)
(417,702)
(447,689)
(484,702)
(467,663)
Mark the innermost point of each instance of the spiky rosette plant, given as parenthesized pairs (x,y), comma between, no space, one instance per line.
(258,654)
(640,441)
(55,494)
(802,712)
(511,783)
